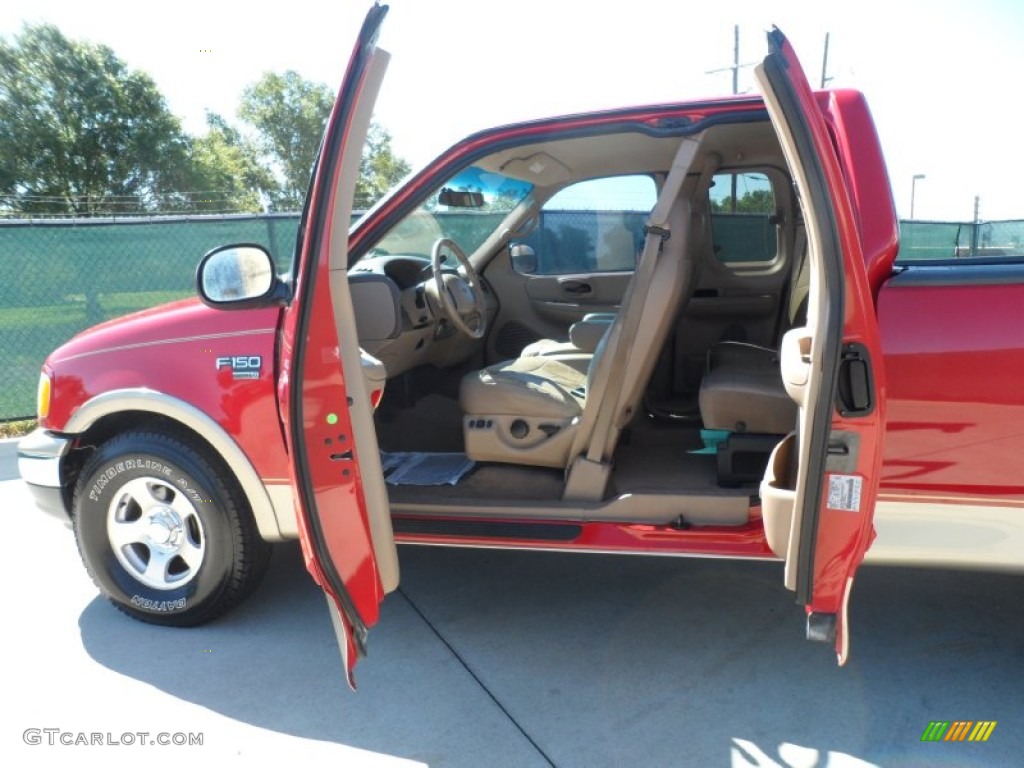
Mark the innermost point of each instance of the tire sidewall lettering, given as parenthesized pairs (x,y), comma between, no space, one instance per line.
(145,465)
(159,606)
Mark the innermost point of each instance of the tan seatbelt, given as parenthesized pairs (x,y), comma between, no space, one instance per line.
(658,232)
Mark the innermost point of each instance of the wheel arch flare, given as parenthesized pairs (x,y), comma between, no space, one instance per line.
(275,521)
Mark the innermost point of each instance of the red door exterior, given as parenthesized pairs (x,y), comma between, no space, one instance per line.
(333,525)
(841,440)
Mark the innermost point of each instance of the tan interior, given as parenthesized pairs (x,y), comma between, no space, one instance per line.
(742,390)
(517,414)
(778,496)
(656,478)
(361,411)
(748,397)
(527,418)
(584,336)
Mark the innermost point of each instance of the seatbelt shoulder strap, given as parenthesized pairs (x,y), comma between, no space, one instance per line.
(658,231)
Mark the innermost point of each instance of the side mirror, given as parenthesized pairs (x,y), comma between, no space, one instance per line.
(524,259)
(238,276)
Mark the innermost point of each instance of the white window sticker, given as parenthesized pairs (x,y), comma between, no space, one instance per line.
(844,492)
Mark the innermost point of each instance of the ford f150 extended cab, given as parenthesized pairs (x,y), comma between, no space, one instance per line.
(673,330)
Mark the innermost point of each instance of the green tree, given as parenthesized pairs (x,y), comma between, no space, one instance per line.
(289,115)
(756,201)
(380,169)
(224,172)
(80,133)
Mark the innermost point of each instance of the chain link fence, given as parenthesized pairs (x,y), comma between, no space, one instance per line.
(58,277)
(930,240)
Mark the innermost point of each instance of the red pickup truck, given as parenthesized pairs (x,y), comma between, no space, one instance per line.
(504,353)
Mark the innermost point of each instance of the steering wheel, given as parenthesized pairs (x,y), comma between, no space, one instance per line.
(461,298)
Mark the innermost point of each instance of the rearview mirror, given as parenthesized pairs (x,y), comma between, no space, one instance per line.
(454,198)
(236,274)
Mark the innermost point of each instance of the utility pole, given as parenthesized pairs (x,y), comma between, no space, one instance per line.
(736,66)
(913,189)
(974,226)
(824,67)
(735,59)
(735,90)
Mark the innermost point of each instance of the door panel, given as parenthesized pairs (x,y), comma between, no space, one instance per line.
(342,511)
(583,252)
(591,290)
(824,478)
(564,299)
(541,306)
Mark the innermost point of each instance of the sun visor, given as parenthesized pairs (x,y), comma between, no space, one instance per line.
(540,169)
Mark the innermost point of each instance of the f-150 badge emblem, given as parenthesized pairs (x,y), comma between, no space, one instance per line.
(242,366)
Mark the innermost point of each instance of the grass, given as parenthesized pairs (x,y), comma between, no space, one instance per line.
(16,428)
(73,309)
(29,334)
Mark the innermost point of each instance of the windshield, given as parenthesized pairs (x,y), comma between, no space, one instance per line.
(467,208)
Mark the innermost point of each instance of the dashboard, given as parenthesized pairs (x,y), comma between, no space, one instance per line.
(400,318)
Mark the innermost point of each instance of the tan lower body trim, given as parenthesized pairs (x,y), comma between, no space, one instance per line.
(949,535)
(282,499)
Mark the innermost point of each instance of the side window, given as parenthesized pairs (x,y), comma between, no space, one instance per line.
(742,218)
(592,226)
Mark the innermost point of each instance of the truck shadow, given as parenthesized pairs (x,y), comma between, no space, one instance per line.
(600,659)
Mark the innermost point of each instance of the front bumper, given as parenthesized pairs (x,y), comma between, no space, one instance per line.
(40,455)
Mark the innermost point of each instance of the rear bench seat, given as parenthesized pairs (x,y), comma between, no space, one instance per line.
(742,391)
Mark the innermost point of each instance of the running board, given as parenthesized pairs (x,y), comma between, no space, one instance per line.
(727,507)
(483,529)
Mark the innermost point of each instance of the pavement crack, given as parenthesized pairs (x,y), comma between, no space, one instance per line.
(465,665)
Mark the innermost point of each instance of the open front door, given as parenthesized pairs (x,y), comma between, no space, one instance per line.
(818,494)
(341,502)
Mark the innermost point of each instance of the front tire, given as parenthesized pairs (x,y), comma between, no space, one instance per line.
(166,537)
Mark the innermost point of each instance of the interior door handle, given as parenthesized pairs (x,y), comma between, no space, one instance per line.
(575,287)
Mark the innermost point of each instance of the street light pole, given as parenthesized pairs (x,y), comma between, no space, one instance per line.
(913,190)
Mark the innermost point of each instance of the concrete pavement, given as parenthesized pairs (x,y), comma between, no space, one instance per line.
(515,659)
(8,459)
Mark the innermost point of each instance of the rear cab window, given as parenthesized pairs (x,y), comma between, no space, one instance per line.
(743,218)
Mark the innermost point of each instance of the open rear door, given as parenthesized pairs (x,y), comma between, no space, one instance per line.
(341,502)
(818,494)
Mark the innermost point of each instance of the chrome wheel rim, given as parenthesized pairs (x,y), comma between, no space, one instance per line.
(155,533)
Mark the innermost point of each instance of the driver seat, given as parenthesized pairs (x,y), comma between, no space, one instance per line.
(529,410)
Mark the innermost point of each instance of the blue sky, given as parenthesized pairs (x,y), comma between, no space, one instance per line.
(942,77)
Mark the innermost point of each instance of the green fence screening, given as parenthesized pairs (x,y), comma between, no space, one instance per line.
(60,277)
(928,240)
